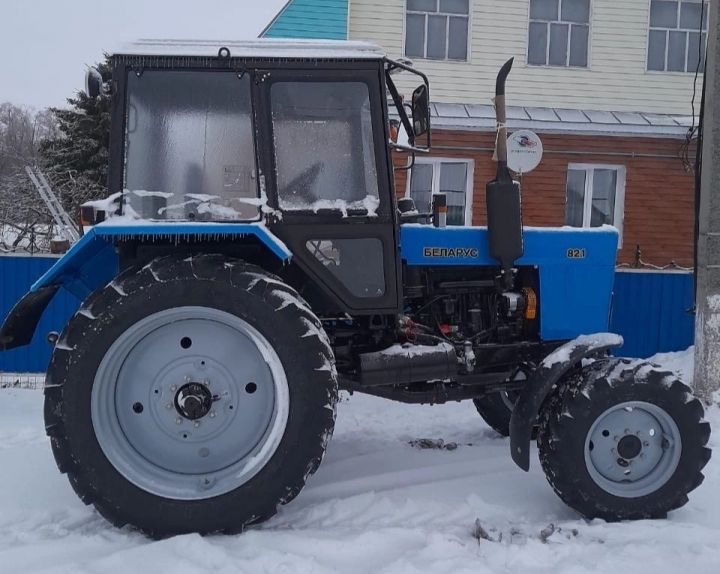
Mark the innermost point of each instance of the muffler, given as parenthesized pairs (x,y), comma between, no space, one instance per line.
(504,205)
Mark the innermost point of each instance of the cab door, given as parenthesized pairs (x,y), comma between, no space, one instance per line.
(325,166)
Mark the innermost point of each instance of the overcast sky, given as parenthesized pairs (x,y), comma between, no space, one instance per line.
(46,45)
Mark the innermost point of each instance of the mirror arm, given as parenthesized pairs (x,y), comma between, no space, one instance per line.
(409,165)
(408,148)
(397,100)
(393,65)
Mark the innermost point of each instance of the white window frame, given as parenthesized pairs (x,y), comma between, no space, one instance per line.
(547,48)
(667,37)
(468,57)
(436,162)
(619,213)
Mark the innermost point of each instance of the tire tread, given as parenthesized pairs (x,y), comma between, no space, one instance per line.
(572,483)
(203,267)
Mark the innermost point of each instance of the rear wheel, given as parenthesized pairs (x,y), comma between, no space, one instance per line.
(191,396)
(623,440)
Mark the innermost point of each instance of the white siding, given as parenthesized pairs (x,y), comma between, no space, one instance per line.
(615,80)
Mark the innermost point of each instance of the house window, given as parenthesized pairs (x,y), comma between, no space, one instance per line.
(437,29)
(677,36)
(595,196)
(559,33)
(449,176)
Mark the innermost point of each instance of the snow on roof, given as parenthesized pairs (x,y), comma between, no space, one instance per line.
(260,48)
(561,120)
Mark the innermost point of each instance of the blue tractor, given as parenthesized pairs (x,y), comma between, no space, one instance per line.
(252,259)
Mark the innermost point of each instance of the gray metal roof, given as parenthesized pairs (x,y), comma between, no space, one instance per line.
(561,120)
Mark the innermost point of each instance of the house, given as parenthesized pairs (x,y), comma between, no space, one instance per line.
(611,88)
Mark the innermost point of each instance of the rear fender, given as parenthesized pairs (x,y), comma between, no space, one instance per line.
(92,262)
(541,383)
(21,322)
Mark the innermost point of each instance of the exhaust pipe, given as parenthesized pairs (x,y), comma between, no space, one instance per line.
(504,206)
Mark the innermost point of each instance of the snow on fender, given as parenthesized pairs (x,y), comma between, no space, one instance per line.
(563,354)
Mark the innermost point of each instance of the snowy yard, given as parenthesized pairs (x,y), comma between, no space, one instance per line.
(376,505)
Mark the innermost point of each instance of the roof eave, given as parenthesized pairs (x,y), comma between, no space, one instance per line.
(566,128)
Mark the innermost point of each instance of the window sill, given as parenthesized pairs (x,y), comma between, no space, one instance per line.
(447,60)
(554,67)
(669,73)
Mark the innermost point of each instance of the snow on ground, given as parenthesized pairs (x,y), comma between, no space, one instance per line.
(376,505)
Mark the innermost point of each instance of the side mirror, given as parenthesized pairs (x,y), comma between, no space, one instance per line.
(93,83)
(421,110)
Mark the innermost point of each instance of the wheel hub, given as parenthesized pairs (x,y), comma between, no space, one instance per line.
(193,401)
(629,446)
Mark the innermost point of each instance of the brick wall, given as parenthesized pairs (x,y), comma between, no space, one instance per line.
(659,196)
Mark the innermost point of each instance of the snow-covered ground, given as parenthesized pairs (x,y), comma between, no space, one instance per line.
(376,505)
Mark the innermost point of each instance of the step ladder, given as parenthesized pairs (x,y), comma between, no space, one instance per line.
(66,226)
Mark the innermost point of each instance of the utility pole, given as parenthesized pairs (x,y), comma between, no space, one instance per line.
(707,322)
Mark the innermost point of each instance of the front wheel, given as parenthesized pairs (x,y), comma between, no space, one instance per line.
(623,440)
(192,395)
(496,408)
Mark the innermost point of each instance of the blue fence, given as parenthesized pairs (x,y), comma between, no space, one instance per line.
(650,310)
(17,273)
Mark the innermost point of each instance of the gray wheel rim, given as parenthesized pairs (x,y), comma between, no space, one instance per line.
(171,361)
(632,449)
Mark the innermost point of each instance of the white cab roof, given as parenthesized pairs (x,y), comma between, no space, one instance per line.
(260,48)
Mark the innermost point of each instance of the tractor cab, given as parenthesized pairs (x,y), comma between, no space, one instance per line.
(293,134)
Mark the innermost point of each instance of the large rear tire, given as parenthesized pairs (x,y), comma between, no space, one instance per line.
(191,395)
(623,440)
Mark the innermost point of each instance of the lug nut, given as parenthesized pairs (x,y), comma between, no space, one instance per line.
(168,406)
(212,414)
(196,424)
(173,388)
(178,421)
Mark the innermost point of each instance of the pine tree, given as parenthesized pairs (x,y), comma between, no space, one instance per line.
(76,161)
